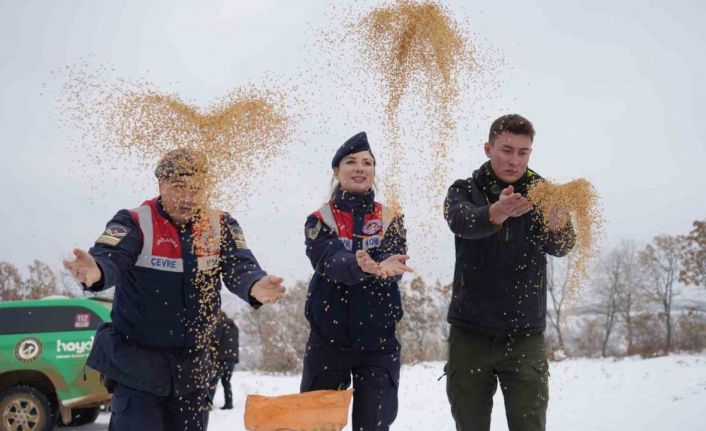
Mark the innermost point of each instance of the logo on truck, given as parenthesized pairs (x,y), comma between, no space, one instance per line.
(73,349)
(28,349)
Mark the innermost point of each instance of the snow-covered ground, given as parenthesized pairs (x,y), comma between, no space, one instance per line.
(599,394)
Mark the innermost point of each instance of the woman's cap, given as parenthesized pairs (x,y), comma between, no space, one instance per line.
(354,144)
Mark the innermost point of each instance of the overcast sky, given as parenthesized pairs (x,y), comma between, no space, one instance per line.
(615,90)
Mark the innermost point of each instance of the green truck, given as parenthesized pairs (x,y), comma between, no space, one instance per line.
(44,344)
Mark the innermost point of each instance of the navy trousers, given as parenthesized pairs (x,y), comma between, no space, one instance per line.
(136,410)
(375,377)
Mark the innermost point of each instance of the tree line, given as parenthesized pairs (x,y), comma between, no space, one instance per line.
(648,300)
(643,300)
(41,281)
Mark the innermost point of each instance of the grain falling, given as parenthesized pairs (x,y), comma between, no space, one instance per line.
(239,135)
(416,50)
(580,202)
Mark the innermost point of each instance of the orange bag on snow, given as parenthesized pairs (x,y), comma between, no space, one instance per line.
(308,411)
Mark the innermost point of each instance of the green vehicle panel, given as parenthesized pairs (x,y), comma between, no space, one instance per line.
(53,336)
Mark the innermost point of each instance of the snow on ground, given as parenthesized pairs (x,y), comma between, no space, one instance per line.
(585,394)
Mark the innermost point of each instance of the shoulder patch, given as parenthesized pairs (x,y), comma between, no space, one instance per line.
(313,232)
(238,236)
(113,234)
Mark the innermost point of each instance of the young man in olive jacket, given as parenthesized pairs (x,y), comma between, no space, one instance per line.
(498,307)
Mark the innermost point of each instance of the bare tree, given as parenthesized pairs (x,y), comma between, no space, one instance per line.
(70,287)
(279,330)
(694,255)
(661,263)
(559,296)
(590,334)
(41,281)
(630,297)
(618,293)
(420,330)
(606,286)
(10,282)
(690,331)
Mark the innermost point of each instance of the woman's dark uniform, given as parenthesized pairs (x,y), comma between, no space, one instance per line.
(353,314)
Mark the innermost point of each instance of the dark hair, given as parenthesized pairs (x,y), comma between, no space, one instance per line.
(511,123)
(181,162)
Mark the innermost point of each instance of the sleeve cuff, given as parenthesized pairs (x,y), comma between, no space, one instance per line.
(356,273)
(487,225)
(254,278)
(100,284)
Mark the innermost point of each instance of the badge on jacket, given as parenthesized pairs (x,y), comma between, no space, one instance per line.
(238,236)
(113,234)
(372,227)
(313,232)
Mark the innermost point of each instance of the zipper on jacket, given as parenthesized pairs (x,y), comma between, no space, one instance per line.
(460,301)
(463,290)
(539,296)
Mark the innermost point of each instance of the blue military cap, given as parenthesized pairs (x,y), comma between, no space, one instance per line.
(354,144)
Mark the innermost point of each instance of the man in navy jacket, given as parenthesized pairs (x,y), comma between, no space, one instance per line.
(166,259)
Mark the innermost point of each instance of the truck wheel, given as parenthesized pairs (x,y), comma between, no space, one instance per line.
(84,416)
(25,408)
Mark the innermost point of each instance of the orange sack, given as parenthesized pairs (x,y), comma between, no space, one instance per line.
(308,411)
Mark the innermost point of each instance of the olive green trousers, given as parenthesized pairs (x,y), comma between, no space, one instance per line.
(478,361)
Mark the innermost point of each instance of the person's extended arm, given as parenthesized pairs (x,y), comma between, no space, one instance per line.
(471,221)
(331,259)
(114,253)
(559,237)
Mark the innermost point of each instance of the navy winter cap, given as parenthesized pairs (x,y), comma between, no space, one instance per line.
(355,144)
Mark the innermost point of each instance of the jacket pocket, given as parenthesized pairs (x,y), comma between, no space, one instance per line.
(541,367)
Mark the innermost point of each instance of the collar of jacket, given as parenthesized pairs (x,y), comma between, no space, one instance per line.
(492,185)
(165,214)
(354,202)
(161,210)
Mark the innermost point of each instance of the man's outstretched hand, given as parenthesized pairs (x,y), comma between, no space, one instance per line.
(83,268)
(558,218)
(509,204)
(268,289)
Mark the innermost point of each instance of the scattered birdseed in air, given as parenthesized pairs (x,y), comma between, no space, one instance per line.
(581,201)
(412,76)
(239,135)
(417,51)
